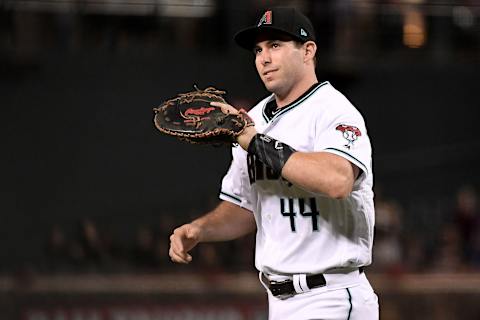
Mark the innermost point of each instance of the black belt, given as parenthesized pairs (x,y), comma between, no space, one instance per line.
(285,288)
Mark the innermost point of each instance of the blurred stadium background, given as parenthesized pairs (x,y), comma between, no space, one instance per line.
(90,191)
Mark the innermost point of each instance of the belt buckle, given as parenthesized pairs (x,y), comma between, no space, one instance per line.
(282,296)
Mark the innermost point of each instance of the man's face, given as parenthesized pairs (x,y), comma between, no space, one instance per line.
(279,64)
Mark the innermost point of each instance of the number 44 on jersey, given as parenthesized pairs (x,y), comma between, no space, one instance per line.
(291,207)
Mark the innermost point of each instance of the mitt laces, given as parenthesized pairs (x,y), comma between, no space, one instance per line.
(208,92)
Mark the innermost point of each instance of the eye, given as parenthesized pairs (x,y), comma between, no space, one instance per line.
(257,50)
(275,44)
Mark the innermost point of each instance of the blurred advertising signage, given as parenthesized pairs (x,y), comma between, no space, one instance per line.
(179,312)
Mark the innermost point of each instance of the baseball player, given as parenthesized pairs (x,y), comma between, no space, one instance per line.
(302,178)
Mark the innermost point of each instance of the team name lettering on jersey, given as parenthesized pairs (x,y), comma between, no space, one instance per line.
(258,171)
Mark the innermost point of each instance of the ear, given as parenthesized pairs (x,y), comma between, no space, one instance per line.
(310,50)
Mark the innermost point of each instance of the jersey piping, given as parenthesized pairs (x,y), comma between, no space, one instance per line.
(349,157)
(236,199)
(350,302)
(292,105)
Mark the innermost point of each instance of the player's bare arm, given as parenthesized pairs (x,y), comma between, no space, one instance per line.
(317,172)
(226,222)
(321,172)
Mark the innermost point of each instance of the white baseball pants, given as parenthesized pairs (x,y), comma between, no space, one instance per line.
(356,302)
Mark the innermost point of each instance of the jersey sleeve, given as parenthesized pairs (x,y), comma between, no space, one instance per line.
(236,184)
(343,132)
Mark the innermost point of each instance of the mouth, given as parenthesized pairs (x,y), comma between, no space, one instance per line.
(269,72)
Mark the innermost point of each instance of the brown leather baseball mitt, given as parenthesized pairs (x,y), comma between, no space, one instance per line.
(190,117)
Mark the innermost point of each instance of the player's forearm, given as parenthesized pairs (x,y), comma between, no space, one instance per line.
(226,222)
(320,172)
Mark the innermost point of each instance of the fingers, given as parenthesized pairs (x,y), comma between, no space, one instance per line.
(226,108)
(177,257)
(177,252)
(182,240)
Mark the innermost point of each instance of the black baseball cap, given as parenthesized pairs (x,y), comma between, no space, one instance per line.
(287,21)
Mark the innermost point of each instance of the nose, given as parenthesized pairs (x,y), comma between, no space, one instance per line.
(265,57)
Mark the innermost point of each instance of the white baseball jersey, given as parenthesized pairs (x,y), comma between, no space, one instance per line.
(300,231)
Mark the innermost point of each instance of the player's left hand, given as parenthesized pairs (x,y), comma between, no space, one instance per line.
(248,133)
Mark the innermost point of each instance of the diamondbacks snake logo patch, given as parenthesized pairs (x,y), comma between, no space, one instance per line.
(350,133)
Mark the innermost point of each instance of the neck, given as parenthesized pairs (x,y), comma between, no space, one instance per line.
(284,98)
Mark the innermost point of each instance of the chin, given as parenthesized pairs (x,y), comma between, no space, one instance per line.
(271,86)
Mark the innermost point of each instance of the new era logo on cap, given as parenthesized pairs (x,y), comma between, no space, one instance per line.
(266,18)
(303,33)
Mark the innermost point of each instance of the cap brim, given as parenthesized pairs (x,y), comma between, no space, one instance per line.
(246,38)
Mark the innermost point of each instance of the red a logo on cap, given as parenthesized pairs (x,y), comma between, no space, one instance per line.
(266,18)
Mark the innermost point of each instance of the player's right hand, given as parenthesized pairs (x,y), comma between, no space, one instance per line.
(182,240)
(248,132)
